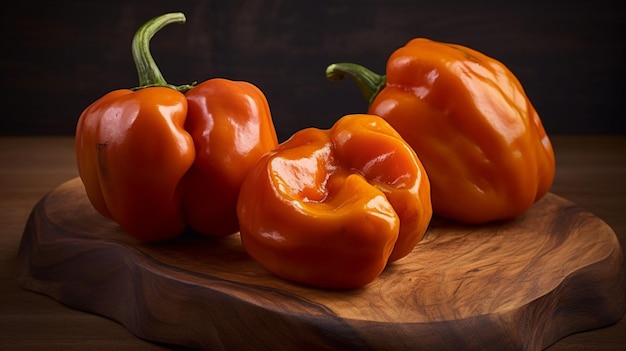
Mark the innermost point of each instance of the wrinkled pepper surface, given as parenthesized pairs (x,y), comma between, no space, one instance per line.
(159,159)
(330,208)
(470,122)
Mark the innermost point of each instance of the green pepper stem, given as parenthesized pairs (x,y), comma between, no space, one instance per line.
(369,83)
(147,69)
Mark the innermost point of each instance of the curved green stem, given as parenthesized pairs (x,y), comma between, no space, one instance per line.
(369,83)
(147,70)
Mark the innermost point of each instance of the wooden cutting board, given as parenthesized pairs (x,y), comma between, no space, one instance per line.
(517,285)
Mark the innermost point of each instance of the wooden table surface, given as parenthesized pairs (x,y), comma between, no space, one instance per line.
(591,171)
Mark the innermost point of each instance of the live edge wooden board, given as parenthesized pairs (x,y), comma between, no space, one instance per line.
(518,285)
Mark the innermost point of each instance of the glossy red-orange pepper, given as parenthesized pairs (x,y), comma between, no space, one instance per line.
(160,159)
(470,122)
(330,208)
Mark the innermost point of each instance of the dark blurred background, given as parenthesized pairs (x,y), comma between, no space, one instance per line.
(59,56)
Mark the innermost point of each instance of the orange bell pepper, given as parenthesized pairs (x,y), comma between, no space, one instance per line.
(330,208)
(470,122)
(159,159)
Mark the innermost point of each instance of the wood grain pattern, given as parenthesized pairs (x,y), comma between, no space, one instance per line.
(521,285)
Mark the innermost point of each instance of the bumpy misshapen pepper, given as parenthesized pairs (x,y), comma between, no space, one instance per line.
(330,208)
(470,122)
(160,159)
